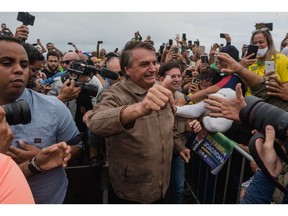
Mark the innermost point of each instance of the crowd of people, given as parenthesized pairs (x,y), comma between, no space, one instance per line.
(133,111)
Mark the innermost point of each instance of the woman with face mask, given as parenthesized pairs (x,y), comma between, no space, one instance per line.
(267,52)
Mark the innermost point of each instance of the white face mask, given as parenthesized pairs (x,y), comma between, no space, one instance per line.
(262,52)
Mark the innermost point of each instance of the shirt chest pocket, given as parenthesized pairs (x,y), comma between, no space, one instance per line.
(36,136)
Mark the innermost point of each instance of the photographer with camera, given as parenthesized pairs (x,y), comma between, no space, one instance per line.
(137,37)
(265,152)
(78,88)
(5,30)
(51,123)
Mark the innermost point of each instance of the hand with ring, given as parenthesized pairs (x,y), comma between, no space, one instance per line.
(276,88)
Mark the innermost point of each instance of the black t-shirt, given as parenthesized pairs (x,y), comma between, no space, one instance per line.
(48,73)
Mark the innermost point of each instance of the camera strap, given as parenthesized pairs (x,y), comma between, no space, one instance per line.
(261,165)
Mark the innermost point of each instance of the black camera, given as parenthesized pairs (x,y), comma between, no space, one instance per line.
(26,18)
(258,114)
(264,25)
(88,89)
(17,112)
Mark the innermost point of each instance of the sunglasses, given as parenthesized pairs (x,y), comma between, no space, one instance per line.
(66,62)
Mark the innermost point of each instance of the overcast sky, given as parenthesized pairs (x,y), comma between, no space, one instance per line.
(116,28)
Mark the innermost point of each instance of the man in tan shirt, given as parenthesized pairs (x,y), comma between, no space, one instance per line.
(137,120)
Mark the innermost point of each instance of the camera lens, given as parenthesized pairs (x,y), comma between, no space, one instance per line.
(17,112)
(88,89)
(258,114)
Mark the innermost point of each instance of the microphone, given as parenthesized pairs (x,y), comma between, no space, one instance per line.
(109,74)
(103,71)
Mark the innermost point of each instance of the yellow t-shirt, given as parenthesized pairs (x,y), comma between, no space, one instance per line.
(281,69)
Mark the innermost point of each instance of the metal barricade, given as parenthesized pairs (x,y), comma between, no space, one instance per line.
(223,188)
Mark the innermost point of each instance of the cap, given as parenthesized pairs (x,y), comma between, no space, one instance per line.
(232,51)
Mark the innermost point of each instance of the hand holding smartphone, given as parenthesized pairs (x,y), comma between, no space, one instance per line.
(189,73)
(195,81)
(269,66)
(252,49)
(204,59)
(175,49)
(222,35)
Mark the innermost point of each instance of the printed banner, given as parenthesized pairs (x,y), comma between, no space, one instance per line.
(213,148)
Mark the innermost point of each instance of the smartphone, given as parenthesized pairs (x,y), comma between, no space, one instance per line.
(197,43)
(202,50)
(269,66)
(175,49)
(184,36)
(189,42)
(161,48)
(189,73)
(34,44)
(170,42)
(70,43)
(252,49)
(195,81)
(204,59)
(222,35)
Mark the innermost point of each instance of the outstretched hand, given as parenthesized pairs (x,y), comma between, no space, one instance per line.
(227,63)
(276,88)
(54,156)
(226,107)
(23,153)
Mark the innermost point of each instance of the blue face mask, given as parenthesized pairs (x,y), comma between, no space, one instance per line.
(262,52)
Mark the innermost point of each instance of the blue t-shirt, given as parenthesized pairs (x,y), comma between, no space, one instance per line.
(51,122)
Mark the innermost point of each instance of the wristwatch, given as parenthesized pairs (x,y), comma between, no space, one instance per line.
(187,98)
(34,167)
